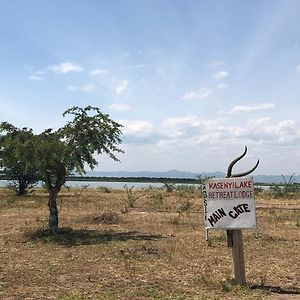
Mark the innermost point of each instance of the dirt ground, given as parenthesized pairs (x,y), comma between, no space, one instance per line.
(156,249)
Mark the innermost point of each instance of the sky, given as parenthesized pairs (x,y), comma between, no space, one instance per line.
(192,81)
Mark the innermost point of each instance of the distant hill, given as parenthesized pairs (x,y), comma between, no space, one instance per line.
(183,174)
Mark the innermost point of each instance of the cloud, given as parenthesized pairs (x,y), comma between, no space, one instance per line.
(298,68)
(198,94)
(250,108)
(36,78)
(98,72)
(184,126)
(120,106)
(121,87)
(87,88)
(211,142)
(211,139)
(66,67)
(221,74)
(137,127)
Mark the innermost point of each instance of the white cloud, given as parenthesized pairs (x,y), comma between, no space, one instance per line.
(221,74)
(182,126)
(298,68)
(222,86)
(137,127)
(173,140)
(198,94)
(120,106)
(250,108)
(169,143)
(36,78)
(87,88)
(121,87)
(184,120)
(98,72)
(66,67)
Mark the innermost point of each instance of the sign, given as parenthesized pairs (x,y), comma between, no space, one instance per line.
(229,203)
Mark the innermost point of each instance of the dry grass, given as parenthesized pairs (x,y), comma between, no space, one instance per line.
(155,250)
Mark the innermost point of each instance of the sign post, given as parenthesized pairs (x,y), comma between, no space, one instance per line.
(229,204)
(238,257)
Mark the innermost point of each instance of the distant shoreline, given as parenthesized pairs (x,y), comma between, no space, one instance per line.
(143,179)
(134,179)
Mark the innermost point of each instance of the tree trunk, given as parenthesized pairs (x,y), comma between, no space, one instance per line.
(21,188)
(53,216)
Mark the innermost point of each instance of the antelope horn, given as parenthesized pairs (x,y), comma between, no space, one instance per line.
(229,170)
(247,172)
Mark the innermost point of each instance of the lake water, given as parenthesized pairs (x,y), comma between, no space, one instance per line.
(95,184)
(112,185)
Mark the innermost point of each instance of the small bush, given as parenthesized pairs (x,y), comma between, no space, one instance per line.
(84,186)
(104,189)
(131,198)
(288,189)
(258,190)
(106,217)
(169,187)
(187,188)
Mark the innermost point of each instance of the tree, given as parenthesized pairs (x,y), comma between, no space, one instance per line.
(72,147)
(59,153)
(16,160)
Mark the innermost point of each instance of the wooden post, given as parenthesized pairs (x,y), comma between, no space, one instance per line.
(229,238)
(238,257)
(235,237)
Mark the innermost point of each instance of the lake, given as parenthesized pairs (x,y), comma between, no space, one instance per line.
(95,184)
(116,185)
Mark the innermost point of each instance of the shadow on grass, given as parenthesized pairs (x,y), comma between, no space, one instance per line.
(75,237)
(277,289)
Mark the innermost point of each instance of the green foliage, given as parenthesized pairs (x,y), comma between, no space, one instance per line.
(130,198)
(286,190)
(73,146)
(188,188)
(53,155)
(17,161)
(89,132)
(258,190)
(202,178)
(169,187)
(104,189)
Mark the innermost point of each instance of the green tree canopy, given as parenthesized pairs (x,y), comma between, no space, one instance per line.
(16,160)
(56,154)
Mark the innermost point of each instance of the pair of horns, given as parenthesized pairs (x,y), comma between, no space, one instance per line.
(229,170)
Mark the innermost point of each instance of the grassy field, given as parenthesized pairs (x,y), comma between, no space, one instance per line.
(153,250)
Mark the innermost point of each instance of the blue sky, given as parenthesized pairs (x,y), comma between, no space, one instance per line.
(191,81)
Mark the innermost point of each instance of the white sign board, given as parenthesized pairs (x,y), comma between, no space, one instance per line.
(229,203)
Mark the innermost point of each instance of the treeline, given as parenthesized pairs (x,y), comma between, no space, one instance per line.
(134,179)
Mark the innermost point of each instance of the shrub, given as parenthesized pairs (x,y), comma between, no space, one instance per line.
(104,189)
(169,187)
(131,198)
(288,189)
